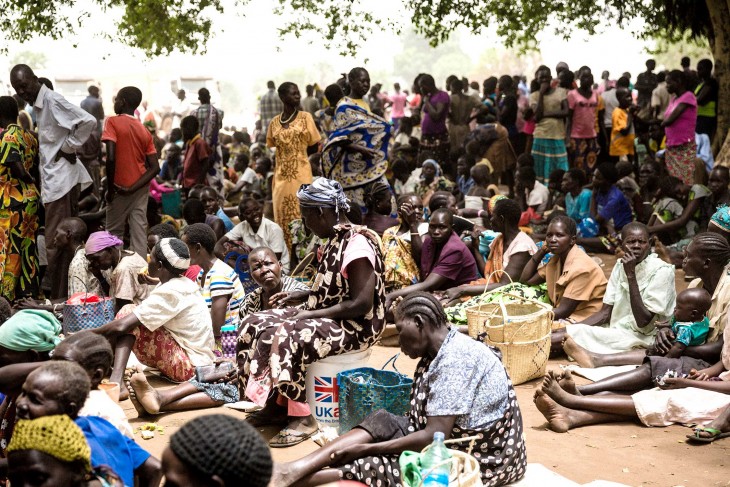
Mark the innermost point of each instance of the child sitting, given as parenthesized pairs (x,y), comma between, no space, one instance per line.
(689,323)
(666,207)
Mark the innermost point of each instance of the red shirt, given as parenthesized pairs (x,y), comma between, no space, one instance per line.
(193,171)
(133,145)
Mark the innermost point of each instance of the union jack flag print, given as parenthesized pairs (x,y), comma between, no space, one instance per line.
(325,389)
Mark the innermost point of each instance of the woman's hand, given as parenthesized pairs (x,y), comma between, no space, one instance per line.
(664,340)
(701,375)
(629,261)
(453,294)
(304,315)
(409,215)
(671,383)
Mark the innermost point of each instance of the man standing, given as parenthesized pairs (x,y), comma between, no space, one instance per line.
(310,103)
(62,130)
(92,104)
(646,82)
(210,120)
(269,107)
(180,109)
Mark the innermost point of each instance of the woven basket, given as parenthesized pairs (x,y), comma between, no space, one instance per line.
(474,317)
(464,467)
(521,330)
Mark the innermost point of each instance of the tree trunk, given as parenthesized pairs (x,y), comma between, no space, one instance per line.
(720,44)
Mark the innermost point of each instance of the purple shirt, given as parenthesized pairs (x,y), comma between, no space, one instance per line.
(455,262)
(613,205)
(683,129)
(429,126)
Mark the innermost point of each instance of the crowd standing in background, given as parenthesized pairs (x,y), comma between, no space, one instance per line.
(345,211)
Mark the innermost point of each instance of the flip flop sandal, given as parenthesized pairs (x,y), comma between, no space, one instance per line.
(258,419)
(289,437)
(716,435)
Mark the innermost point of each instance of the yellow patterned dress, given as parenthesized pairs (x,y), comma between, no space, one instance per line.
(18,216)
(292,167)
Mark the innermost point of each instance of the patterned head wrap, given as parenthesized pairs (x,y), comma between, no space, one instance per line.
(435,165)
(57,436)
(99,241)
(493,202)
(30,329)
(173,257)
(721,218)
(323,193)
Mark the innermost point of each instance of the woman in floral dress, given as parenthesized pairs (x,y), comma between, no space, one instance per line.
(460,388)
(18,206)
(345,312)
(294,135)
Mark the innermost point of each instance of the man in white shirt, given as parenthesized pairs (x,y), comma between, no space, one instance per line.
(62,129)
(531,192)
(180,109)
(255,231)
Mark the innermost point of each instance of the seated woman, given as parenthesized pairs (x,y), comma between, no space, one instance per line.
(509,252)
(666,208)
(54,449)
(706,257)
(379,205)
(445,260)
(577,198)
(194,212)
(275,291)
(402,244)
(481,403)
(220,286)
(575,283)
(171,329)
(104,251)
(345,312)
(609,208)
(432,180)
(640,292)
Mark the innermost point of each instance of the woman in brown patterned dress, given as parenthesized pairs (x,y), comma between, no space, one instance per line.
(294,136)
(460,388)
(345,312)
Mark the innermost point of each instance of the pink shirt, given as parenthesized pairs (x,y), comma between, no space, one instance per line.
(683,129)
(399,104)
(583,124)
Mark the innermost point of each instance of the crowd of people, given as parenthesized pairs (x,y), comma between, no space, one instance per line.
(343,213)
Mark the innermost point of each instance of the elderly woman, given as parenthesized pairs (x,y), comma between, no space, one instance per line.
(432,180)
(356,152)
(295,136)
(575,283)
(275,291)
(443,399)
(171,329)
(640,292)
(402,244)
(345,312)
(104,252)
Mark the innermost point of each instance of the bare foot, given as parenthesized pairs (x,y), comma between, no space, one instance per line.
(141,411)
(582,357)
(147,396)
(565,379)
(557,416)
(551,387)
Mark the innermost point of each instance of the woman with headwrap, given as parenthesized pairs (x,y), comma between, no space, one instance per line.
(356,152)
(432,180)
(104,252)
(345,312)
(171,329)
(27,336)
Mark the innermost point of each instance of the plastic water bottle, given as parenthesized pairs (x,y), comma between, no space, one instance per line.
(435,455)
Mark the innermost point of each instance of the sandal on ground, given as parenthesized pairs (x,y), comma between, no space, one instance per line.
(259,418)
(715,435)
(290,437)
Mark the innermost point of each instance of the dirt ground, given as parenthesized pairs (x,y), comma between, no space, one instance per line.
(627,453)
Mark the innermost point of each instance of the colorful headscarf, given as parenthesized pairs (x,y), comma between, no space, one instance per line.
(31,329)
(56,435)
(721,218)
(173,258)
(493,202)
(323,193)
(435,165)
(99,241)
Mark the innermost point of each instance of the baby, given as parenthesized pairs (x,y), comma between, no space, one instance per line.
(689,323)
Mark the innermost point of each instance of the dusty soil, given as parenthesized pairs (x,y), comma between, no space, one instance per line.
(621,452)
